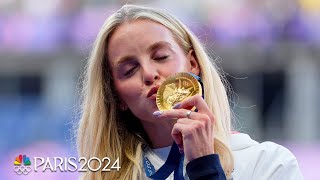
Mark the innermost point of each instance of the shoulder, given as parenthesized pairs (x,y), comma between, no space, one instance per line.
(265,160)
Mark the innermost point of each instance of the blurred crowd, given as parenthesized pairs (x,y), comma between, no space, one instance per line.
(37,26)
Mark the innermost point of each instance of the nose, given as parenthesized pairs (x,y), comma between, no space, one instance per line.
(150,74)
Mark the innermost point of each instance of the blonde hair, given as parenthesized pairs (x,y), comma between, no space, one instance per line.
(101,130)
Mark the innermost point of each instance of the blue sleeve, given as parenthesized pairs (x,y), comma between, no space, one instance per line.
(206,168)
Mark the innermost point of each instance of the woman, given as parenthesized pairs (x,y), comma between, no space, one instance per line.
(136,49)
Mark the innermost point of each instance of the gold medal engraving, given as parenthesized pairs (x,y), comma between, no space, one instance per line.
(175,89)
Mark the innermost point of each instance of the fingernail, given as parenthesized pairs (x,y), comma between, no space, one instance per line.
(176,106)
(157,113)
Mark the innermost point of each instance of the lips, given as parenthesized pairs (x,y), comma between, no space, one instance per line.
(152,91)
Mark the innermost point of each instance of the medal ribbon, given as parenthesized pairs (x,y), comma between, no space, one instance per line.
(174,163)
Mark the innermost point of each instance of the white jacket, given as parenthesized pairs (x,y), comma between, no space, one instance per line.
(252,160)
(265,160)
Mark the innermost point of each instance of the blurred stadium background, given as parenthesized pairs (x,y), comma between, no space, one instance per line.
(269,50)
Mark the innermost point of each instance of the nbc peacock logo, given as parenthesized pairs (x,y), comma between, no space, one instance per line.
(22,165)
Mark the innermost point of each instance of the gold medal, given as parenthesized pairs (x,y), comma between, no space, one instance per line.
(175,89)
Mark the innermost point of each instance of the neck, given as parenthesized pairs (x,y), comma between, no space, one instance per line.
(159,133)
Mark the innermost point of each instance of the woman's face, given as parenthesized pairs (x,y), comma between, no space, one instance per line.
(142,54)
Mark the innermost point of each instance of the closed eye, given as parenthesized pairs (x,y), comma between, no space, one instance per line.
(161,57)
(130,71)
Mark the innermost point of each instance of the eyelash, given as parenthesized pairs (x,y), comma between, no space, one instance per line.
(130,71)
(162,57)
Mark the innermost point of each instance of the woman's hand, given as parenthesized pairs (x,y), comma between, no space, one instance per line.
(193,132)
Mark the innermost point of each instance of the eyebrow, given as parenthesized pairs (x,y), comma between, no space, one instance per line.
(123,60)
(159,45)
(151,48)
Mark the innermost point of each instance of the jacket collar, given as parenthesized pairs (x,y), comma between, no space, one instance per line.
(239,141)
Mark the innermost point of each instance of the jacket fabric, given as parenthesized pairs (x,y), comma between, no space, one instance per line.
(252,160)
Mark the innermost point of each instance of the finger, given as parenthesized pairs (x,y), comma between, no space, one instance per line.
(193,101)
(190,126)
(184,128)
(179,113)
(184,121)
(176,133)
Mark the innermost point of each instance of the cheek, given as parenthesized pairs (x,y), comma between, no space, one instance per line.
(128,90)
